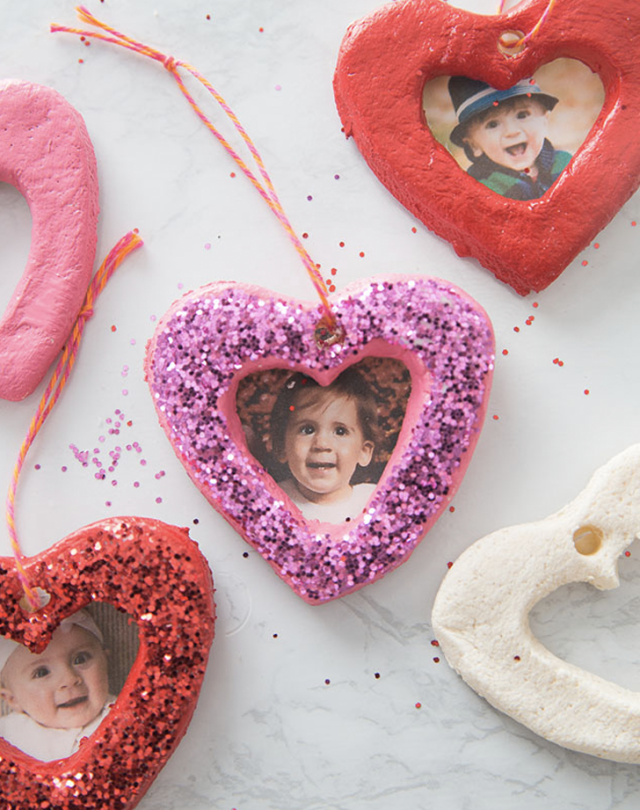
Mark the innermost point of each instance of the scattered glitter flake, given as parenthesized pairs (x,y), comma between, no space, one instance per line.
(180,285)
(37,467)
(516,657)
(495,417)
(337,177)
(596,245)
(558,362)
(232,174)
(125,392)
(530,320)
(309,197)
(275,635)
(125,371)
(627,554)
(114,328)
(208,17)
(245,554)
(196,521)
(341,244)
(64,469)
(435,643)
(449,565)
(132,341)
(452,509)
(305,235)
(587,392)
(436,660)
(633,223)
(505,352)
(418,705)
(278,87)
(327,681)
(584,262)
(376,675)
(334,270)
(516,328)
(158,500)
(81,61)
(414,229)
(207,245)
(361,254)
(535,305)
(153,318)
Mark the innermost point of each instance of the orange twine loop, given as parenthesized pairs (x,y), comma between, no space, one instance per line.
(52,393)
(516,44)
(264,188)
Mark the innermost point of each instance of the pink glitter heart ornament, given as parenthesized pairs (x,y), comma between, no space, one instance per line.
(213,337)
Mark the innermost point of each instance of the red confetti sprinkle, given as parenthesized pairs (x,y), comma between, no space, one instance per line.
(435,643)
(361,254)
(436,660)
(586,391)
(449,564)
(376,675)
(305,235)
(535,304)
(516,328)
(627,554)
(418,705)
(114,328)
(596,245)
(327,681)
(332,288)
(495,417)
(414,230)
(341,244)
(505,352)
(261,29)
(452,509)
(633,223)
(333,271)
(584,262)
(516,657)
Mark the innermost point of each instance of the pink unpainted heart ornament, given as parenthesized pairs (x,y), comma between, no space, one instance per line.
(386,59)
(216,335)
(46,153)
(155,573)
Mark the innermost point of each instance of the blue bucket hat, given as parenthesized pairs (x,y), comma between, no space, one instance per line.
(471,96)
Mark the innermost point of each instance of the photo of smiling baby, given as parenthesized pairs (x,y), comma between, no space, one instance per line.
(504,135)
(324,435)
(515,141)
(326,446)
(55,698)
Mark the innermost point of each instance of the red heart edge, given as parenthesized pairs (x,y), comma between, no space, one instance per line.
(384,62)
(157,575)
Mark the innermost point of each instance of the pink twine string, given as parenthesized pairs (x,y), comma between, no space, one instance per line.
(265,188)
(58,381)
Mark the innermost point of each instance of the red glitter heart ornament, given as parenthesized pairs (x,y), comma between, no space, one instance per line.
(386,59)
(155,573)
(217,335)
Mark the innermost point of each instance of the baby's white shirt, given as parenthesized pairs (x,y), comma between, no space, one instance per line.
(348,508)
(43,743)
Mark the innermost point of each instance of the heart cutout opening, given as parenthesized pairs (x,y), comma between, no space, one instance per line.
(515,141)
(51,700)
(15,238)
(326,445)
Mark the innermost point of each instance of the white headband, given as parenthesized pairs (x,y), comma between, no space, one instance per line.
(82,619)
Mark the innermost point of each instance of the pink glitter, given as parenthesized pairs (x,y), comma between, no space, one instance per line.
(212,337)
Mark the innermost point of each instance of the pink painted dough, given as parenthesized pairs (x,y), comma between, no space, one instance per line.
(46,153)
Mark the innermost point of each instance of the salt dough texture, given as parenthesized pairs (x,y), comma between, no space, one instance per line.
(46,153)
(480,617)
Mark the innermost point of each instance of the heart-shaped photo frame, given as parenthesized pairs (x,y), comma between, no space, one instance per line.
(46,153)
(387,58)
(155,574)
(214,337)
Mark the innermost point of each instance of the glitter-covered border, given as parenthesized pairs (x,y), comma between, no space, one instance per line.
(216,335)
(157,575)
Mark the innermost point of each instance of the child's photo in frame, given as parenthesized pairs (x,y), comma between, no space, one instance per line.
(326,446)
(518,141)
(52,700)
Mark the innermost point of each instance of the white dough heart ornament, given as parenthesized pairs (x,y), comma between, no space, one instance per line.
(480,616)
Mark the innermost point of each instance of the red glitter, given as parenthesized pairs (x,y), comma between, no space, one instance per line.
(327,681)
(334,270)
(627,554)
(516,657)
(436,660)
(449,564)
(435,643)
(414,230)
(332,288)
(137,565)
(341,244)
(113,328)
(232,174)
(535,304)
(586,391)
(261,29)
(452,509)
(633,223)
(596,245)
(305,235)
(361,254)
(495,417)
(418,705)
(516,328)
(505,352)
(584,262)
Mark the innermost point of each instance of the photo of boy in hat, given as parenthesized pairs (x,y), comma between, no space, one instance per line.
(504,135)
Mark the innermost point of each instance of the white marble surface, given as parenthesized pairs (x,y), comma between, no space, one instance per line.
(269,733)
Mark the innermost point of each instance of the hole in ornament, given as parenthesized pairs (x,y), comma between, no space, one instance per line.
(326,336)
(511,43)
(52,700)
(326,446)
(43,599)
(15,238)
(595,630)
(515,141)
(588,539)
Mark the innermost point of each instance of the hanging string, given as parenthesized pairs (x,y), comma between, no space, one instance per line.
(124,247)
(264,188)
(520,42)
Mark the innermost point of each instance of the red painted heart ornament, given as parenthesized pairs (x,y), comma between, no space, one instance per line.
(212,338)
(46,153)
(154,573)
(387,58)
